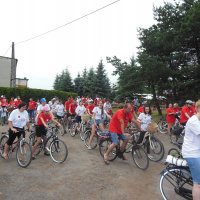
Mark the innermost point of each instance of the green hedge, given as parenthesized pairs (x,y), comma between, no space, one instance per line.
(26,93)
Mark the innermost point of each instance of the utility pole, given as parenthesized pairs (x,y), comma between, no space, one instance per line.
(13,67)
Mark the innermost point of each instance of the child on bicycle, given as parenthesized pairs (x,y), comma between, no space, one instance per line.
(41,128)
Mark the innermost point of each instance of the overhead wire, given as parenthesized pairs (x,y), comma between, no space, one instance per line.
(68,23)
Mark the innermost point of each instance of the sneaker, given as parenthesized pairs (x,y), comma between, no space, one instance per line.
(46,153)
(89,147)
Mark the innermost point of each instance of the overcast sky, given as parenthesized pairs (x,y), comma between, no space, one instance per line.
(108,32)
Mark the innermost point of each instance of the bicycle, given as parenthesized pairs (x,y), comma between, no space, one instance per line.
(162,125)
(152,145)
(57,148)
(22,148)
(176,182)
(63,122)
(139,155)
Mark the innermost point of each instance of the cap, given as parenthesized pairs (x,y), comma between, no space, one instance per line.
(42,100)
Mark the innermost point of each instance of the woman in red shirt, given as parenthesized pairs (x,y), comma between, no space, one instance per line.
(170,117)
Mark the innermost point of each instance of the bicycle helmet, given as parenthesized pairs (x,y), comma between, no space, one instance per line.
(42,100)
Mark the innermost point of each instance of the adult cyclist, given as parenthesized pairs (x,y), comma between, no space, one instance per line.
(117,126)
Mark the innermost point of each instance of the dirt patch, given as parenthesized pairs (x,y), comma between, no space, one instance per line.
(83,176)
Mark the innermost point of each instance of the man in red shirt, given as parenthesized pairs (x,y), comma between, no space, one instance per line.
(90,108)
(186,112)
(118,123)
(17,101)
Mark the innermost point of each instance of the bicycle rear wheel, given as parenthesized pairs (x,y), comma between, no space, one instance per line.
(3,141)
(140,157)
(103,147)
(87,135)
(58,151)
(176,184)
(23,154)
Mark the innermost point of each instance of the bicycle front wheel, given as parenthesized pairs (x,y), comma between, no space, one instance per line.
(156,149)
(162,127)
(58,151)
(140,157)
(3,141)
(23,154)
(176,184)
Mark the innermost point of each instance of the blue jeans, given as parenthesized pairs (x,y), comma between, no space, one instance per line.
(116,137)
(194,165)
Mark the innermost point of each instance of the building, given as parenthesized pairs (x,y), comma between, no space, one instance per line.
(8,68)
(8,71)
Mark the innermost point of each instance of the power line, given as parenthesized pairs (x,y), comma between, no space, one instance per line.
(7,50)
(68,23)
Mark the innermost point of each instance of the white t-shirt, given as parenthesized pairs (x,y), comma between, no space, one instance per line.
(19,119)
(98,112)
(191,144)
(60,110)
(145,120)
(40,106)
(80,110)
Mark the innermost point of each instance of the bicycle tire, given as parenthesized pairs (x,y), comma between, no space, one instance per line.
(24,154)
(32,142)
(72,129)
(87,135)
(3,140)
(157,149)
(174,152)
(58,148)
(162,127)
(140,157)
(173,181)
(82,131)
(103,146)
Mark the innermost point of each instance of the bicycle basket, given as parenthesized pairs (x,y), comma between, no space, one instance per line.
(85,118)
(152,127)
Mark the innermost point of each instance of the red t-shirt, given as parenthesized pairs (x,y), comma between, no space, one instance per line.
(115,126)
(32,105)
(67,105)
(90,108)
(46,117)
(170,118)
(72,108)
(185,109)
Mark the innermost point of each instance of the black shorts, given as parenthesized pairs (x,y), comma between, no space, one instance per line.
(13,135)
(78,119)
(40,131)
